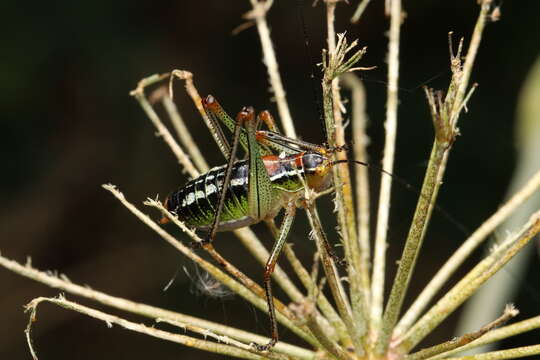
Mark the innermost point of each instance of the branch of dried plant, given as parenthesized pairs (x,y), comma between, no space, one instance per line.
(306,312)
(514,353)
(61,282)
(258,14)
(335,63)
(444,115)
(459,256)
(361,141)
(509,312)
(162,131)
(483,18)
(182,131)
(359,11)
(109,319)
(496,335)
(469,284)
(358,271)
(254,245)
(414,239)
(383,212)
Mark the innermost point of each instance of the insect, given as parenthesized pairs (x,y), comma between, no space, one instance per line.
(245,192)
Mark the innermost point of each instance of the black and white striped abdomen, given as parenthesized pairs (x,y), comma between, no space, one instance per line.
(196,201)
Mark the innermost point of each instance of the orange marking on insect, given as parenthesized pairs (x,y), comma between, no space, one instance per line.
(165,219)
(271,163)
(298,161)
(264,115)
(210,102)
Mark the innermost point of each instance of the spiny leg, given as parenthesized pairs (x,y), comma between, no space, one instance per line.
(286,224)
(330,250)
(245,115)
(338,260)
(217,114)
(268,120)
(305,203)
(264,117)
(211,106)
(288,145)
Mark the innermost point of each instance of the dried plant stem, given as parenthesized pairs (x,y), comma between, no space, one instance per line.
(464,251)
(509,312)
(109,319)
(358,276)
(383,212)
(143,309)
(445,115)
(306,311)
(196,98)
(206,333)
(469,284)
(497,334)
(253,294)
(332,276)
(504,354)
(361,141)
(472,51)
(162,131)
(260,8)
(359,11)
(182,132)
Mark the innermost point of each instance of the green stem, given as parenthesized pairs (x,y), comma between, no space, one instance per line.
(509,312)
(469,284)
(306,311)
(498,334)
(428,194)
(504,354)
(361,141)
(458,257)
(358,274)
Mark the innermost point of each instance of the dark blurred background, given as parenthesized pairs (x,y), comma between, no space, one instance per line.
(69,126)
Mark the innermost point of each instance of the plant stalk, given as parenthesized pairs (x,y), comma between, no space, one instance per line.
(469,284)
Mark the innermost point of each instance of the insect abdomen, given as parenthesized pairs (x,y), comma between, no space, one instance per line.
(195,203)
